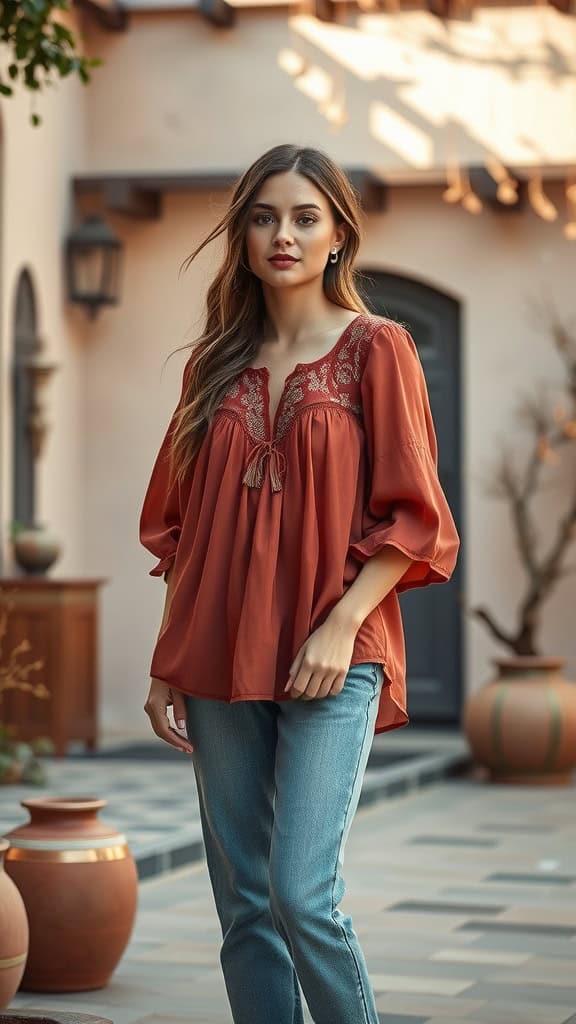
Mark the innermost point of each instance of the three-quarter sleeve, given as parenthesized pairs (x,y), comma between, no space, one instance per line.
(161,515)
(406,506)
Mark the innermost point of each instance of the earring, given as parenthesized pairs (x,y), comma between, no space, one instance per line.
(334,256)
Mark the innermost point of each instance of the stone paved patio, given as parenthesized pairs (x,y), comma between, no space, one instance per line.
(165,834)
(463,895)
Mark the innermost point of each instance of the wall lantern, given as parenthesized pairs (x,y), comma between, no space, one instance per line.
(93,255)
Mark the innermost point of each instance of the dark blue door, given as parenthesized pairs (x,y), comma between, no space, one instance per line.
(431,615)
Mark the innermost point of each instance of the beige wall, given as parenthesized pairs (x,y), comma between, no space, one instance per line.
(185,96)
(36,211)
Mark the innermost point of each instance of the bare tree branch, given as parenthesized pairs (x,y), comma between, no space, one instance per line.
(551,425)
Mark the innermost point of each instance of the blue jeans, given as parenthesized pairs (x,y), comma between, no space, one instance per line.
(278,785)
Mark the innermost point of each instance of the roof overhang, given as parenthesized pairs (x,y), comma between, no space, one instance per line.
(139,195)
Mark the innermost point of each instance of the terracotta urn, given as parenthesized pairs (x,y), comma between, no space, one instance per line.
(79,884)
(13,934)
(521,726)
(35,549)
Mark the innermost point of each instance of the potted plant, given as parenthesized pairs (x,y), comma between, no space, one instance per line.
(521,726)
(19,761)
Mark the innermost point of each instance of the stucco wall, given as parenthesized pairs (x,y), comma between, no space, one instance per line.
(36,214)
(186,95)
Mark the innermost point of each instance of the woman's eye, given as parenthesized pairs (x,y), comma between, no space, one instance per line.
(261,217)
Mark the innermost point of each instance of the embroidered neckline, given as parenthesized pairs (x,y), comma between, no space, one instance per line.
(276,424)
(333,377)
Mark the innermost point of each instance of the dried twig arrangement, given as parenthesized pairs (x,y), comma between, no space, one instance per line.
(14,675)
(552,426)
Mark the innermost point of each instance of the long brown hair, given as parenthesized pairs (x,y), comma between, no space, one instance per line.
(235,308)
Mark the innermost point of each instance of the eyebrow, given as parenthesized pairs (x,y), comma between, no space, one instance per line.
(301,206)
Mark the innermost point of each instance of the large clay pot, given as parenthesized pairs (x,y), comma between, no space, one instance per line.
(13,934)
(522,725)
(79,884)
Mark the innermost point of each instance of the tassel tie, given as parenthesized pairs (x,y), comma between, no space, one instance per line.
(254,475)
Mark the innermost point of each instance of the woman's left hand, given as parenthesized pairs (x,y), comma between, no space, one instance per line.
(322,663)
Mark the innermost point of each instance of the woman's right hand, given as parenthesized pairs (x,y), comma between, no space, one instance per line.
(160,697)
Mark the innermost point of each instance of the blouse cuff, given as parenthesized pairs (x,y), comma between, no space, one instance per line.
(424,568)
(162,567)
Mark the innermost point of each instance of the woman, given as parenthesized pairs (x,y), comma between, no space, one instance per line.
(294,496)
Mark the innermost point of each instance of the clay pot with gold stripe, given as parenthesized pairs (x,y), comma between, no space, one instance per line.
(13,934)
(521,726)
(79,884)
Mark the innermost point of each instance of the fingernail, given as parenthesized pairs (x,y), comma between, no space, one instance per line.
(180,723)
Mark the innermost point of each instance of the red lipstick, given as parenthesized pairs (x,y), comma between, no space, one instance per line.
(282,260)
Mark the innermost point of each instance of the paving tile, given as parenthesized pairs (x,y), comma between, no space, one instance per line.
(544,878)
(418,923)
(401,1018)
(181,953)
(560,896)
(448,908)
(480,956)
(412,983)
(540,945)
(425,967)
(522,827)
(550,973)
(519,1012)
(459,1020)
(559,930)
(512,993)
(541,914)
(452,841)
(426,1005)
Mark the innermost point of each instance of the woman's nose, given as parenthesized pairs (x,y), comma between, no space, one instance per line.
(283,233)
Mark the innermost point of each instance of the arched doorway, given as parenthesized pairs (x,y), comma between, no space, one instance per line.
(431,615)
(25,344)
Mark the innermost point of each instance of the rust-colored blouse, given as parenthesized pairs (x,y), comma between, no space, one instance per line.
(274,521)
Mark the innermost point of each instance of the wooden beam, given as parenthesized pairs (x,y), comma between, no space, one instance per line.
(114,18)
(324,10)
(197,181)
(443,9)
(484,185)
(564,6)
(218,13)
(373,192)
(133,201)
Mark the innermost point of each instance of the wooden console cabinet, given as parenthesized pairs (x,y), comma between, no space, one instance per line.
(60,620)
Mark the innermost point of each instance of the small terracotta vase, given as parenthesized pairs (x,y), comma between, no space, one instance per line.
(79,884)
(13,934)
(521,726)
